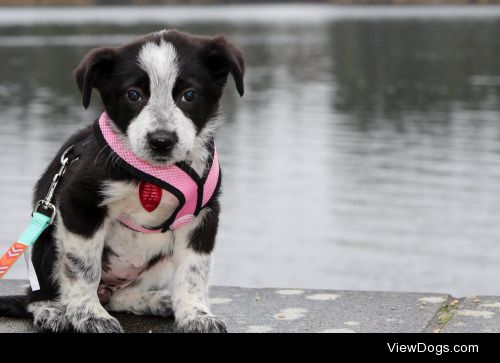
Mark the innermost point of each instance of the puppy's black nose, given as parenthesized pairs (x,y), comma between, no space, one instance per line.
(162,141)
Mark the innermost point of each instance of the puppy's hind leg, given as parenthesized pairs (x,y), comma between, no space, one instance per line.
(140,298)
(155,303)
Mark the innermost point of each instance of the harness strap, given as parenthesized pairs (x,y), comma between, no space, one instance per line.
(192,191)
(125,221)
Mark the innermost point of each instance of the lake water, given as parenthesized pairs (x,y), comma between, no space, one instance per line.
(365,153)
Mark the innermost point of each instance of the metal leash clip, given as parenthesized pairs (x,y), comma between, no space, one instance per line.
(46,203)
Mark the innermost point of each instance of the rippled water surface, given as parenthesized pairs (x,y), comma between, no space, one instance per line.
(365,153)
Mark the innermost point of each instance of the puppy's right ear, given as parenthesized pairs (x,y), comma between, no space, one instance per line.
(93,71)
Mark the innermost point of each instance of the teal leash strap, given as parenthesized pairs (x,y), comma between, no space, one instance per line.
(39,222)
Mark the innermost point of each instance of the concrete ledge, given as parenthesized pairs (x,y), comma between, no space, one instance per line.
(302,310)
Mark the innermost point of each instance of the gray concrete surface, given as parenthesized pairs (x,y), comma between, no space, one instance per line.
(475,314)
(302,310)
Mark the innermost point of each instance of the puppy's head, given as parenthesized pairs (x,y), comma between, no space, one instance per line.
(162,91)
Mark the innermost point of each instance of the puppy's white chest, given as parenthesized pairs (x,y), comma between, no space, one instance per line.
(128,253)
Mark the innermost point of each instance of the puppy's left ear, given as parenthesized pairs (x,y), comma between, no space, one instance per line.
(223,57)
(93,71)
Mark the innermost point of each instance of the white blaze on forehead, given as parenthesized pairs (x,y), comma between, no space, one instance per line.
(159,61)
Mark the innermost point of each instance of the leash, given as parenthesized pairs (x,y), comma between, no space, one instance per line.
(43,215)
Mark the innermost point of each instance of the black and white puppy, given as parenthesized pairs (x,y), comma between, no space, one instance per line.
(166,81)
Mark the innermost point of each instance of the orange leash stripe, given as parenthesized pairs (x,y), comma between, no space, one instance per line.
(10,257)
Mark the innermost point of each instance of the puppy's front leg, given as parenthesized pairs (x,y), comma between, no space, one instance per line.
(190,283)
(79,274)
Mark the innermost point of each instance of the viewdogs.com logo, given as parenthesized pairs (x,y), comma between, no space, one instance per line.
(437,349)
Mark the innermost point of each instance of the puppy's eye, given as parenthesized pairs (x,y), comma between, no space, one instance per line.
(189,96)
(134,95)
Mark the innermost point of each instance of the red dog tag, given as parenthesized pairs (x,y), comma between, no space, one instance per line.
(150,195)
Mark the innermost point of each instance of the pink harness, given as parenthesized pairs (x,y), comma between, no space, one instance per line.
(192,191)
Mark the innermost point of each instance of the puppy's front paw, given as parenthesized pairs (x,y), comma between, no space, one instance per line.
(94,321)
(202,323)
(97,324)
(48,317)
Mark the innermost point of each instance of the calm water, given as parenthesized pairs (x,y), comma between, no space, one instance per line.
(364,155)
